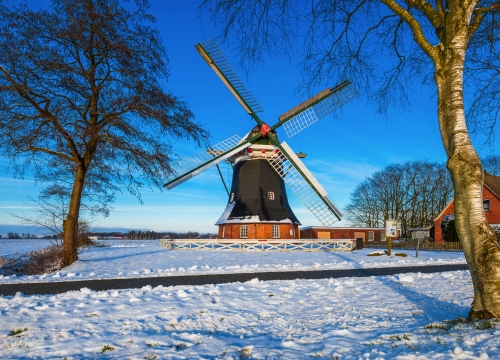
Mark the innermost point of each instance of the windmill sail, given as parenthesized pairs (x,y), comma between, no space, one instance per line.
(187,168)
(317,107)
(305,185)
(215,58)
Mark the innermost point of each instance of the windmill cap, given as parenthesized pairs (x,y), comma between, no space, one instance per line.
(263,141)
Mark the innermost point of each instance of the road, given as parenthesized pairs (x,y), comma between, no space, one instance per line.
(109,284)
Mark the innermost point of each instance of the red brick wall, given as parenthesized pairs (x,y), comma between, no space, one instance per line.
(438,233)
(492,215)
(307,234)
(312,233)
(258,231)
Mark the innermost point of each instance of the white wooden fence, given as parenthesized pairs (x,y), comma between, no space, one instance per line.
(261,245)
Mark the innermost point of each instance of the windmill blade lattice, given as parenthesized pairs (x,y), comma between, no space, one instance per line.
(309,191)
(317,107)
(191,166)
(219,59)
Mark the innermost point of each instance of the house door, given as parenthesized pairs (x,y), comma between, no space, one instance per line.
(359,235)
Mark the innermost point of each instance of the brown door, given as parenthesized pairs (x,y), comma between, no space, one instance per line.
(359,235)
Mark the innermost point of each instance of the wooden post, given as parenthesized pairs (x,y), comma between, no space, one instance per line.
(418,245)
(389,246)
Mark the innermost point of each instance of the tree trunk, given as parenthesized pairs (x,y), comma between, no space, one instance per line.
(70,226)
(476,236)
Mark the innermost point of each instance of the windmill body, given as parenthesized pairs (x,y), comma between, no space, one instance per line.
(258,203)
(262,166)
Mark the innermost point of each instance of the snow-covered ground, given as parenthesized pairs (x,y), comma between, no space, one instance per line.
(126,259)
(408,316)
(13,247)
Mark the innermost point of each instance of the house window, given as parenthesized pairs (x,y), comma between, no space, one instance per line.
(486,205)
(243,231)
(382,236)
(371,236)
(270,195)
(276,231)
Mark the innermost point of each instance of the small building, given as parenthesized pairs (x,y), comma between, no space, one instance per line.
(491,205)
(374,234)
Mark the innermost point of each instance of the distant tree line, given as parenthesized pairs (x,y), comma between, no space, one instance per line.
(13,235)
(152,235)
(149,235)
(413,193)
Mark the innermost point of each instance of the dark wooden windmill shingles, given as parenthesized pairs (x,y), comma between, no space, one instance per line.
(252,181)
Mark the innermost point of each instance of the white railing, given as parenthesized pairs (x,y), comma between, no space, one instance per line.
(261,245)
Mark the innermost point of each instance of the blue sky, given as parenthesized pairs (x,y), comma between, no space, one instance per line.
(342,150)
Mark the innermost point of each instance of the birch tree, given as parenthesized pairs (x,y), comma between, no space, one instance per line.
(82,100)
(384,47)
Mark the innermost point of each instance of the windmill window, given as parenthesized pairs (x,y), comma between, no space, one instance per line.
(243,231)
(276,231)
(270,195)
(486,205)
(232,197)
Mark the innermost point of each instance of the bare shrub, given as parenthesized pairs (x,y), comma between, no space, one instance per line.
(42,261)
(33,263)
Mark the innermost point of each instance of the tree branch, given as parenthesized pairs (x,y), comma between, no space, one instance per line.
(416,29)
(479,15)
(430,13)
(48,151)
(45,113)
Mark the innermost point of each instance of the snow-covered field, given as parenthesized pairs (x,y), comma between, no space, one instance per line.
(146,259)
(408,316)
(13,247)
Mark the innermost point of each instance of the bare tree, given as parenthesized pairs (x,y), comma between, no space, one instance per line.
(51,209)
(491,164)
(364,207)
(384,46)
(414,193)
(83,100)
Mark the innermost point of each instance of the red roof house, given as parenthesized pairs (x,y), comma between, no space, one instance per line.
(491,205)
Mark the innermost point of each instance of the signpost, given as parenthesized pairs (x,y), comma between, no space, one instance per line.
(391,230)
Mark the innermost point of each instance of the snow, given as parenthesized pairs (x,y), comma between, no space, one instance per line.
(406,316)
(131,259)
(13,247)
(226,213)
(348,318)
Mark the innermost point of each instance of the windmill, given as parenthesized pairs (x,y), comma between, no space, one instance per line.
(258,205)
